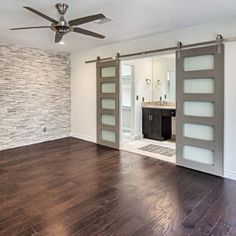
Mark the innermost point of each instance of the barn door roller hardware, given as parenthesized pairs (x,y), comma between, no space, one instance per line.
(218,41)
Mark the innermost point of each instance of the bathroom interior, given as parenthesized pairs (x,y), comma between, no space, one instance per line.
(148,109)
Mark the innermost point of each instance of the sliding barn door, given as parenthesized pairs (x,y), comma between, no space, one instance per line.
(200,113)
(108,128)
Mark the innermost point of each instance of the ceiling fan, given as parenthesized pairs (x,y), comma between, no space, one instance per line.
(62,27)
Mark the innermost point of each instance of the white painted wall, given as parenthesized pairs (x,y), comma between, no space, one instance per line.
(84,79)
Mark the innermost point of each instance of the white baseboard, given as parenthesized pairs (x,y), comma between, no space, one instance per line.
(84,137)
(230,174)
(137,137)
(35,142)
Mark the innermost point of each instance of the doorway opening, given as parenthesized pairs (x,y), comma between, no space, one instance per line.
(148,106)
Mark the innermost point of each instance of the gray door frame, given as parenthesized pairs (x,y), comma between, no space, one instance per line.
(115,96)
(217,97)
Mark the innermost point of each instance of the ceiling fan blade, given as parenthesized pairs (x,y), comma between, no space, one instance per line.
(42,15)
(58,38)
(87,32)
(33,27)
(86,19)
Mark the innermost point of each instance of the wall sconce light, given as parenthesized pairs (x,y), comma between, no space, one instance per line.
(159,82)
(148,81)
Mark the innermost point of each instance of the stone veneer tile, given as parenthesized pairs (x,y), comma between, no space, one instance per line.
(34,93)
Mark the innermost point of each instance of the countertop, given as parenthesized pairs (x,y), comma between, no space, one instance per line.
(159,107)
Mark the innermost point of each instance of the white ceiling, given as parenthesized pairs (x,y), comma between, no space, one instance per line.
(131,19)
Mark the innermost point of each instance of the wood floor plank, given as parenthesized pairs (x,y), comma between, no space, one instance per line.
(73,187)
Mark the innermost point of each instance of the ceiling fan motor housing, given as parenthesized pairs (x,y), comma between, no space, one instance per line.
(62,27)
(62,8)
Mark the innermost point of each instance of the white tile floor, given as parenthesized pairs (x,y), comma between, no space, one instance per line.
(134,146)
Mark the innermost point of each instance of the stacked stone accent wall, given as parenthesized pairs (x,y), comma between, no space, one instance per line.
(34,96)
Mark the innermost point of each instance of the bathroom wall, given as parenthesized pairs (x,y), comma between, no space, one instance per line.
(34,96)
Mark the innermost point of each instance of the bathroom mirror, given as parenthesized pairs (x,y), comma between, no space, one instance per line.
(164,81)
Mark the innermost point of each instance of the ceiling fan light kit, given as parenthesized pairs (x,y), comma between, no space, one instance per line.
(62,27)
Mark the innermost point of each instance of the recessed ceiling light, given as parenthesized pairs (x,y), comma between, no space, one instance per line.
(102,20)
(61,43)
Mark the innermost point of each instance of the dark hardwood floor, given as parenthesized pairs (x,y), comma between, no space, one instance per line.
(72,187)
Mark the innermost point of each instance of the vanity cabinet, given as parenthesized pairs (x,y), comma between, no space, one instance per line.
(157,123)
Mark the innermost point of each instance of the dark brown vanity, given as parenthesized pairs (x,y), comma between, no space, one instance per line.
(156,122)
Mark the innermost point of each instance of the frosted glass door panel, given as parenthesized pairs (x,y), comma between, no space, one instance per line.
(196,131)
(108,120)
(205,62)
(202,109)
(108,88)
(204,85)
(108,71)
(200,155)
(109,136)
(108,104)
